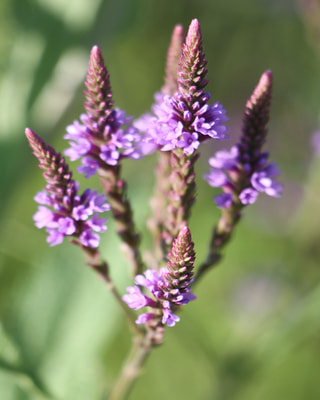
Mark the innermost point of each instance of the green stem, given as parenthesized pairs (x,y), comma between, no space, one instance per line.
(132,368)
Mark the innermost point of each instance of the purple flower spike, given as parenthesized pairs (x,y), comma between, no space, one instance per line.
(243,171)
(63,212)
(170,288)
(173,57)
(103,139)
(183,119)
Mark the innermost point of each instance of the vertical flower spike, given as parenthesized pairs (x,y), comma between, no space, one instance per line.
(173,58)
(99,101)
(182,121)
(243,171)
(63,211)
(170,289)
(185,119)
(180,265)
(256,117)
(101,143)
(159,201)
(192,70)
(103,140)
(190,120)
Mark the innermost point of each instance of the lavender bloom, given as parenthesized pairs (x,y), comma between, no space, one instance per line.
(243,171)
(63,211)
(179,125)
(169,289)
(103,138)
(136,299)
(185,119)
(223,200)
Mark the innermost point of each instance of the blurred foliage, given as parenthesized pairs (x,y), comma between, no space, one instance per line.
(254,331)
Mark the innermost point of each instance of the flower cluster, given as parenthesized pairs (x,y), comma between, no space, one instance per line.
(182,119)
(185,119)
(104,137)
(260,178)
(243,171)
(63,211)
(176,125)
(169,289)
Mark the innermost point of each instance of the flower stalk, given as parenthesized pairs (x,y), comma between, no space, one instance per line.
(116,188)
(242,172)
(132,368)
(160,198)
(101,143)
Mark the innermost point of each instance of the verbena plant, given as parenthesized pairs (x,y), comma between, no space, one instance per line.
(182,118)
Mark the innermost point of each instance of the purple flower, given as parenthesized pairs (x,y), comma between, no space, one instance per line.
(135,299)
(216,177)
(150,280)
(144,318)
(89,167)
(79,147)
(81,213)
(248,196)
(66,226)
(189,142)
(175,126)
(223,200)
(263,182)
(55,237)
(97,224)
(96,149)
(244,171)
(62,210)
(157,287)
(109,154)
(79,219)
(103,138)
(44,217)
(183,117)
(169,318)
(89,239)
(224,159)
(169,288)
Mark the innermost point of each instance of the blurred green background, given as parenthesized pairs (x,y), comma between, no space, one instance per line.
(254,332)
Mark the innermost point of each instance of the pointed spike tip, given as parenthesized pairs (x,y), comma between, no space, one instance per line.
(262,89)
(29,133)
(173,57)
(32,137)
(96,57)
(194,31)
(95,51)
(178,31)
(184,231)
(266,79)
